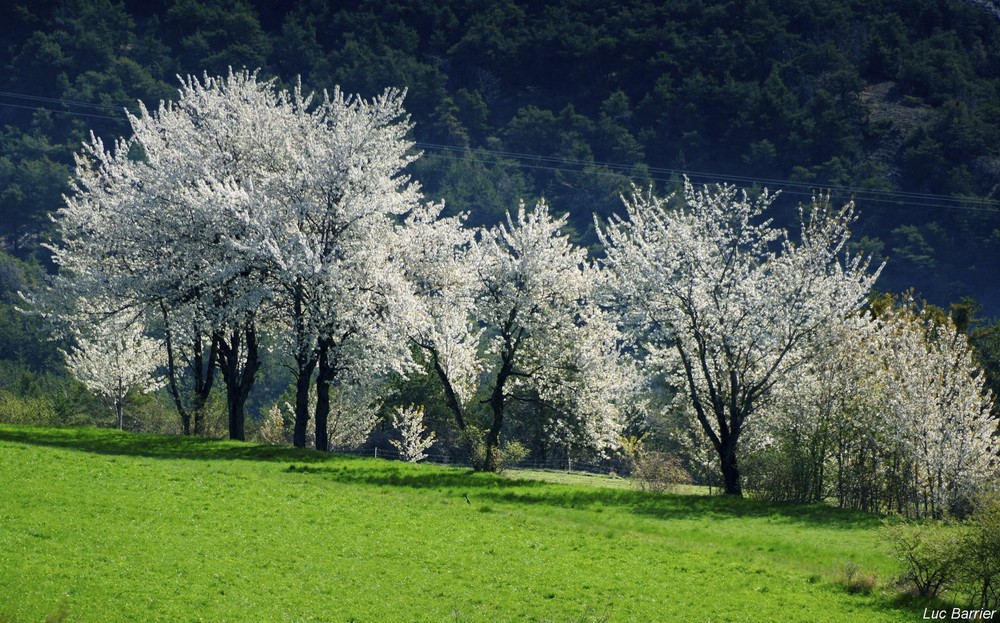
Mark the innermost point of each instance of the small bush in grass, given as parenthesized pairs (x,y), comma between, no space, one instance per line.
(856,581)
(963,558)
(31,410)
(504,457)
(273,430)
(653,470)
(414,440)
(660,472)
(931,552)
(59,615)
(981,553)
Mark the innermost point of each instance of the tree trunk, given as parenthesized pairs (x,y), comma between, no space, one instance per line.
(202,375)
(326,376)
(204,378)
(731,473)
(497,405)
(729,424)
(493,438)
(305,360)
(450,397)
(511,338)
(303,380)
(239,370)
(725,448)
(236,399)
(172,376)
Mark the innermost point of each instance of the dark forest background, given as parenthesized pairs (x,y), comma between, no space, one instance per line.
(893,103)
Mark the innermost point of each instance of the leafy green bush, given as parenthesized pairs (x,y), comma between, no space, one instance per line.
(660,472)
(509,454)
(652,470)
(31,410)
(931,552)
(961,557)
(856,581)
(980,573)
(792,471)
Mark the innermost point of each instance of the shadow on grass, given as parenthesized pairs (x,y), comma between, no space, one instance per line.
(489,488)
(113,442)
(481,487)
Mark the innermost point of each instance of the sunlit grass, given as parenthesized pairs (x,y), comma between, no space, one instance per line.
(594,480)
(105,526)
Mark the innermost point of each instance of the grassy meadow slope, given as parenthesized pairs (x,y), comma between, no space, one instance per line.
(97,525)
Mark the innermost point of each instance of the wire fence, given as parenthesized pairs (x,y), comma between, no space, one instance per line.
(563,463)
(894,199)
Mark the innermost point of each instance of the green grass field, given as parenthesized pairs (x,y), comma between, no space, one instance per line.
(97,525)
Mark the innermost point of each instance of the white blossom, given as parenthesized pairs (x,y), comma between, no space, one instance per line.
(895,412)
(414,440)
(940,408)
(114,359)
(251,208)
(713,290)
(511,317)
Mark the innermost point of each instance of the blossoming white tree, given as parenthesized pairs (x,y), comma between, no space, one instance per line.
(712,287)
(894,416)
(414,440)
(511,317)
(325,238)
(241,208)
(114,359)
(826,429)
(154,224)
(941,409)
(337,273)
(438,262)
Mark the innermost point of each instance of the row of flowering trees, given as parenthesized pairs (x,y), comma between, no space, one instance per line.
(242,209)
(893,416)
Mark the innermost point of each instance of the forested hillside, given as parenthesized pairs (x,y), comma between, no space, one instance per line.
(894,103)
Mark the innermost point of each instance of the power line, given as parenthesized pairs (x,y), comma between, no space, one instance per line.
(63,112)
(573,166)
(700,174)
(54,100)
(661,174)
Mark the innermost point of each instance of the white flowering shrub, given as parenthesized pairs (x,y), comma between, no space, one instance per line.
(894,416)
(414,440)
(273,430)
(115,360)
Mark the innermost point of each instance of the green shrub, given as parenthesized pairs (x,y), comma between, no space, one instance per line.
(961,557)
(31,410)
(660,472)
(788,472)
(856,581)
(507,455)
(931,552)
(152,413)
(652,470)
(981,553)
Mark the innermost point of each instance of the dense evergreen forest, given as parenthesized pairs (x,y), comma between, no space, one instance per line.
(896,104)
